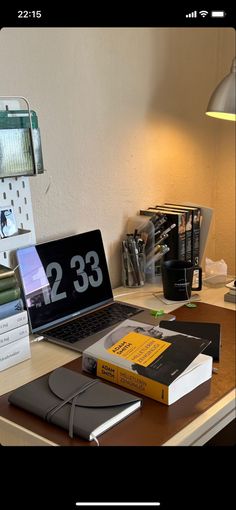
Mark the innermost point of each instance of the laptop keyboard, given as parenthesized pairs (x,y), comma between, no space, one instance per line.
(94,322)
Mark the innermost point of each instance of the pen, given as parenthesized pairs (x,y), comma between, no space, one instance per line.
(169,229)
(153,218)
(125,262)
(133,259)
(135,262)
(159,247)
(130,262)
(144,236)
(161,239)
(161,254)
(159,221)
(158,256)
(165,233)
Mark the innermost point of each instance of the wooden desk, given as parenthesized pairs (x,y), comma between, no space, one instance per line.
(193,420)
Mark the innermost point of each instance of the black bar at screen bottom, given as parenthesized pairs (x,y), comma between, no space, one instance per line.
(177,477)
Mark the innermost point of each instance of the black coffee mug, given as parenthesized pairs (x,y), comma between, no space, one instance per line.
(177,279)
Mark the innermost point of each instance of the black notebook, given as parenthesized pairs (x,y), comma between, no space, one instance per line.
(206,330)
(84,406)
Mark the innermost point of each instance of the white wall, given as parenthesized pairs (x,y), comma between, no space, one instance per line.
(224,199)
(122,121)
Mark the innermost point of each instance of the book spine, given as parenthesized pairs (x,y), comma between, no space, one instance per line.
(196,223)
(148,212)
(11,308)
(14,353)
(196,235)
(14,321)
(13,335)
(187,215)
(5,272)
(129,380)
(10,295)
(8,283)
(188,237)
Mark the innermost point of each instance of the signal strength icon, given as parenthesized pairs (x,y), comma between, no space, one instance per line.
(192,14)
(203,13)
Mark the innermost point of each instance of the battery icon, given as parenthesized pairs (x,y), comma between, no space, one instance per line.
(218,14)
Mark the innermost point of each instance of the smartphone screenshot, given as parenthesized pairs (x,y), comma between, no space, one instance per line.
(105,113)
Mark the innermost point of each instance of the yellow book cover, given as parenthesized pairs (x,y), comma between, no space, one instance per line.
(159,363)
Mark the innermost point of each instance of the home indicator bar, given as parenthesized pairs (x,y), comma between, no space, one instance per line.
(153,504)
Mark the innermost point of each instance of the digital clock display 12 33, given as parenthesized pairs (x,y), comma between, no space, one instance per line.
(64,278)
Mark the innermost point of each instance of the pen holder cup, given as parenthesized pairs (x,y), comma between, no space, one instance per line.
(133,269)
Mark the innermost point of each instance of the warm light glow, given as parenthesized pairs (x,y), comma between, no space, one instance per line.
(222,115)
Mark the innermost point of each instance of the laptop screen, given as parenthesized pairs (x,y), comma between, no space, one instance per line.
(63,278)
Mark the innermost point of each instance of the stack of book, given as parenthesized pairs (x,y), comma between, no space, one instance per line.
(14,329)
(184,240)
(10,293)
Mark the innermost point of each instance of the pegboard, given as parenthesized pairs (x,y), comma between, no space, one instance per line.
(15,192)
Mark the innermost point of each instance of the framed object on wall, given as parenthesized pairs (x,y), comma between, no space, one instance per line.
(20,141)
(8,226)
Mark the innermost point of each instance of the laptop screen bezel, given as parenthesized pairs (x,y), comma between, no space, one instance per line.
(77,238)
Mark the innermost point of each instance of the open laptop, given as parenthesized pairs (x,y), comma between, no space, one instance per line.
(68,292)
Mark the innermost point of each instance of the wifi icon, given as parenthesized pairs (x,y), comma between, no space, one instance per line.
(203,13)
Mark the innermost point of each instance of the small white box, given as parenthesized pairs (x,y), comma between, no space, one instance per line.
(13,321)
(13,335)
(14,353)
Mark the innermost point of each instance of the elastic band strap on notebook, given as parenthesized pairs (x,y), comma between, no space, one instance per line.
(95,439)
(71,420)
(72,397)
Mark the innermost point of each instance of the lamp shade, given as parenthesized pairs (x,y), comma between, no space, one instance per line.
(222,101)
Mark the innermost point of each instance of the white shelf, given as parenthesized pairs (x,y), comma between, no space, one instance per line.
(15,192)
(22,238)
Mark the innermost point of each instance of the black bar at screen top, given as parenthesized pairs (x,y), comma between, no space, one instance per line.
(112,16)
